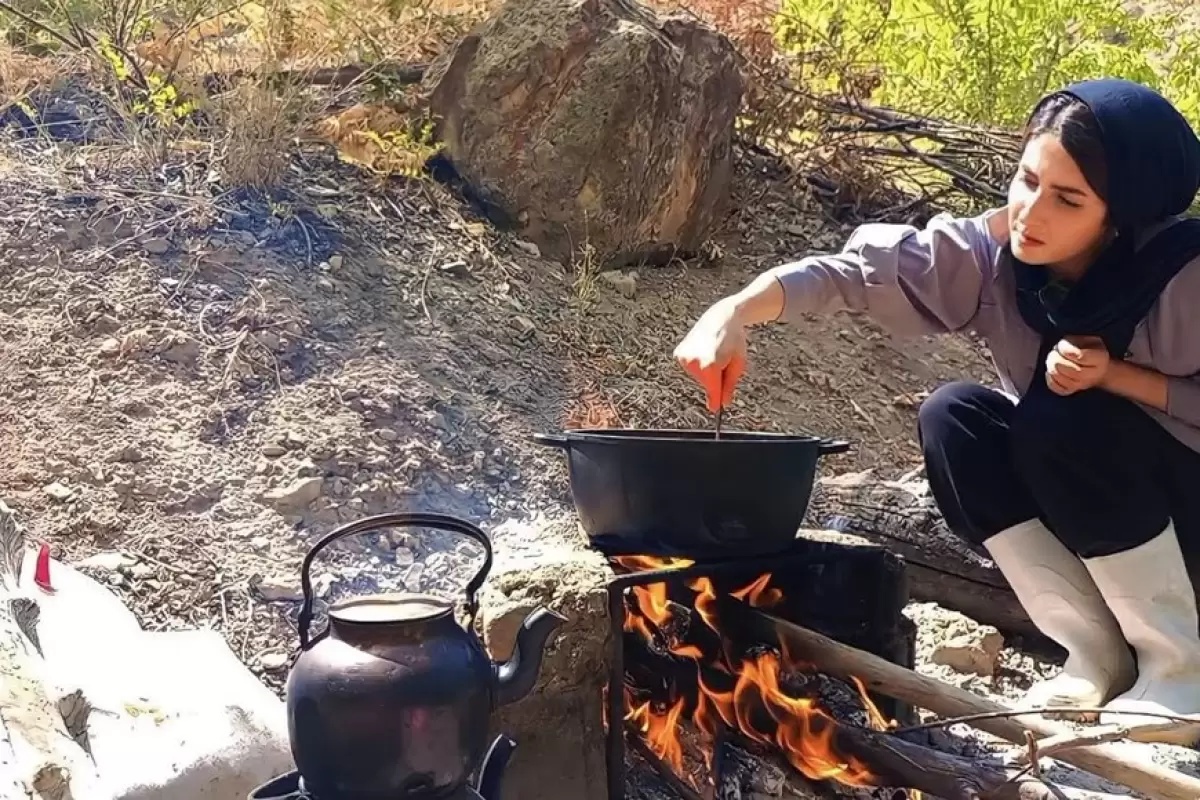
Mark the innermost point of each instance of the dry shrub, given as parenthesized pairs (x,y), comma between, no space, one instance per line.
(255,126)
(21,73)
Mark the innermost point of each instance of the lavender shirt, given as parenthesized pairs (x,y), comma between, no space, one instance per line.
(949,277)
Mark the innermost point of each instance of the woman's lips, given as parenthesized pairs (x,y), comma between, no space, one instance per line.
(1027,240)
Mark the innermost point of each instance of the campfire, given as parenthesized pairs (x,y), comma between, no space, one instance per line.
(704,685)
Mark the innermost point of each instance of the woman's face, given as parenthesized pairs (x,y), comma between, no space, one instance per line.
(1055,219)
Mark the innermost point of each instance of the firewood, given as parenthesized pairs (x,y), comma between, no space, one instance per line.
(40,753)
(1103,760)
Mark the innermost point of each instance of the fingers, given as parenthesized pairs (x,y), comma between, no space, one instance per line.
(1062,376)
(1057,386)
(1085,350)
(733,373)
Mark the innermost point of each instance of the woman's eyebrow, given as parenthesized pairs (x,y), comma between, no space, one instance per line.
(1056,186)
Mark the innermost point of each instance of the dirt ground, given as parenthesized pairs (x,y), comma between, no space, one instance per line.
(199,382)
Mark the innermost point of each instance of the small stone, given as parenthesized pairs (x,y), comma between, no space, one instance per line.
(528,247)
(260,543)
(335,263)
(128,455)
(59,492)
(624,283)
(274,450)
(325,284)
(403,557)
(323,585)
(141,571)
(157,246)
(412,578)
(296,495)
(181,349)
(273,660)
(107,561)
(279,588)
(387,434)
(110,347)
(976,652)
(524,325)
(456,269)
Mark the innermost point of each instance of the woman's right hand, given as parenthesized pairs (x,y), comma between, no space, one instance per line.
(714,352)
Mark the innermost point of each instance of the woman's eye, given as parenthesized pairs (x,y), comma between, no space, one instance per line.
(1029,180)
(1069,203)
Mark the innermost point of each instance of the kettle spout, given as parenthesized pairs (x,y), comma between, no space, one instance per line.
(516,677)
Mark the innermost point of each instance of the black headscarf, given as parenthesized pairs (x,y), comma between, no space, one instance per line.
(1153,159)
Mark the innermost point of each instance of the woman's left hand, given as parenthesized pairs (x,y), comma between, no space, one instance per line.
(1076,363)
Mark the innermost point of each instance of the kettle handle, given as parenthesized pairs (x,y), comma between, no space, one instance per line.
(418,519)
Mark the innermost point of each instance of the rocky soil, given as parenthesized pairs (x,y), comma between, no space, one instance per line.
(200,381)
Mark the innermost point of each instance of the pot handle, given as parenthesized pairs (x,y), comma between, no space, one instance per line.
(551,440)
(427,519)
(828,447)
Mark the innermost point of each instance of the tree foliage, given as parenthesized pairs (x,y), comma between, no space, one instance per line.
(984,61)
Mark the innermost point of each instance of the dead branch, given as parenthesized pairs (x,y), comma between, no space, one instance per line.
(1104,760)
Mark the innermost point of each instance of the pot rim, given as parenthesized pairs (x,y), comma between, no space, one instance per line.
(690,435)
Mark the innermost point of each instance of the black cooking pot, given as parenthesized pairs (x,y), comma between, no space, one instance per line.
(687,493)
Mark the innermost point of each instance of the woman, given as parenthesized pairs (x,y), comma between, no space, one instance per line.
(1081,476)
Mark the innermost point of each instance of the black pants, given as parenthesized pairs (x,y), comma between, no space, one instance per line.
(1094,467)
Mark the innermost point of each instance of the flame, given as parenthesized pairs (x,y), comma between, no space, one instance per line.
(659,731)
(647,563)
(760,594)
(756,706)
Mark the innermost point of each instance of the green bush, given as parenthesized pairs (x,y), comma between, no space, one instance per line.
(984,61)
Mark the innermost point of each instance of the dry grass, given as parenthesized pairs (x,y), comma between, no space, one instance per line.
(247,120)
(21,73)
(256,126)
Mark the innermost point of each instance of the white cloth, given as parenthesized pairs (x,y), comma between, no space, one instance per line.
(176,715)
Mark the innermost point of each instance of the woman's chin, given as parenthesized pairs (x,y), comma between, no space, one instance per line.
(1030,255)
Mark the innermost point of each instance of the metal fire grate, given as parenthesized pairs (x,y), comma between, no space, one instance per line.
(840,586)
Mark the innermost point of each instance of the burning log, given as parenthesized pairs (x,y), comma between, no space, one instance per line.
(847,662)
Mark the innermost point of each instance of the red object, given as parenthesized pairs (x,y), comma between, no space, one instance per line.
(41,571)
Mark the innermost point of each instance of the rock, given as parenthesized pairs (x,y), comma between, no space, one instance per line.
(528,247)
(277,588)
(110,347)
(59,492)
(567,758)
(593,121)
(296,495)
(127,455)
(157,247)
(403,557)
(624,283)
(179,348)
(976,652)
(273,660)
(950,639)
(107,561)
(274,450)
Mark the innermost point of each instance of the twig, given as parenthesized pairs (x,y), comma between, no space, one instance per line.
(1047,747)
(1035,712)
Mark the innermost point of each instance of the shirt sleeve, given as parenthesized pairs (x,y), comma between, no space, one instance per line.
(912,281)
(1176,344)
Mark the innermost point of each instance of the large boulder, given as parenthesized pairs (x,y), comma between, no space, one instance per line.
(593,122)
